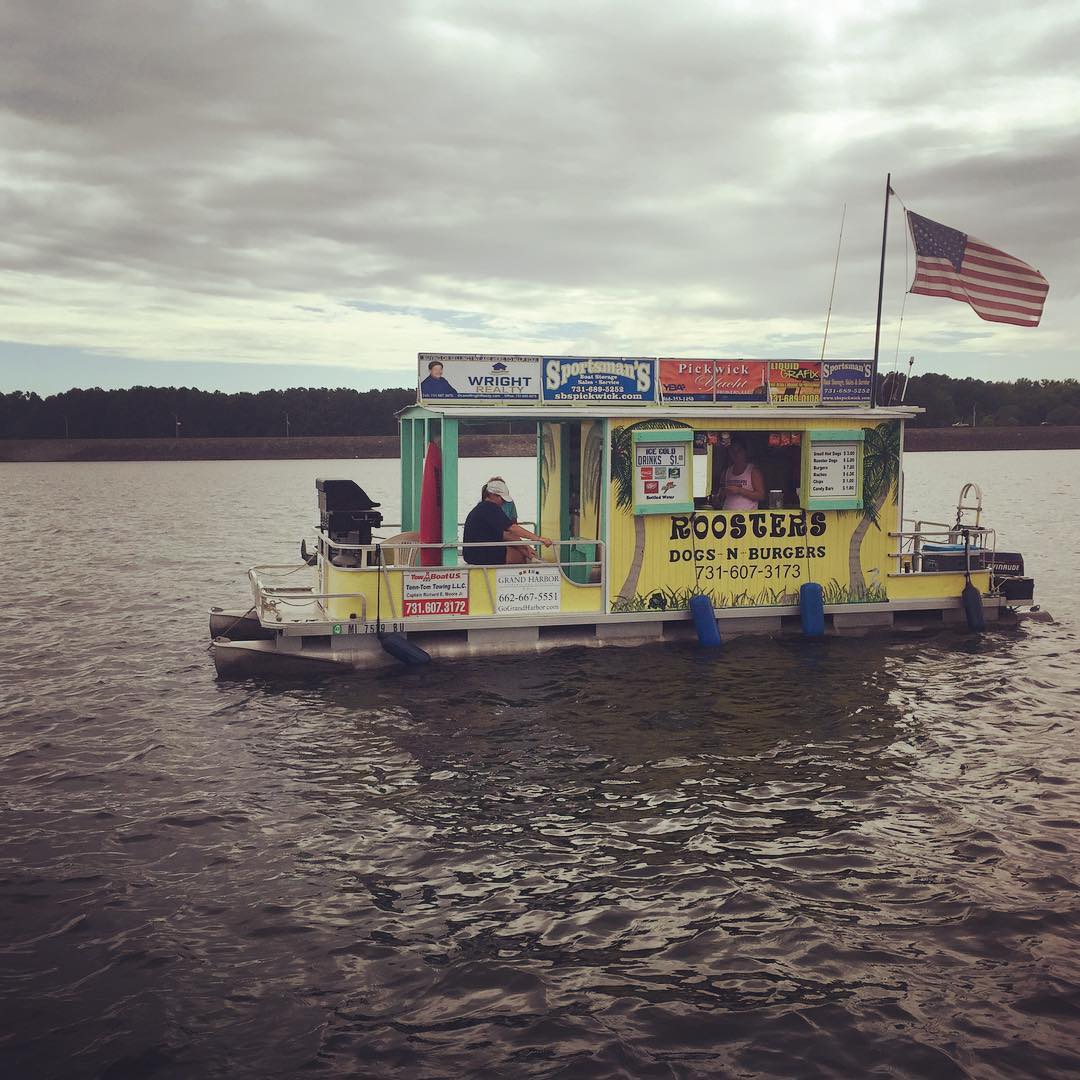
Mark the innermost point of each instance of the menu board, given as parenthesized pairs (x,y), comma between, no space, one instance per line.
(834,470)
(663,477)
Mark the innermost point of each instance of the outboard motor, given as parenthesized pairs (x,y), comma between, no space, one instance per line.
(1009,579)
(347,516)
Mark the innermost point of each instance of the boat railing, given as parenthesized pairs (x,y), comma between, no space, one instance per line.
(406,550)
(280,599)
(937,547)
(461,524)
(393,539)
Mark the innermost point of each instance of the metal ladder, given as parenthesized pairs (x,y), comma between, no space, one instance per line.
(962,508)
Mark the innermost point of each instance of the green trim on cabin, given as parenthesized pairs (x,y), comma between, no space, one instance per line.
(449,490)
(564,479)
(845,435)
(419,449)
(407,498)
(666,435)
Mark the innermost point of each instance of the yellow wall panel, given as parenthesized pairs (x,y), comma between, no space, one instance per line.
(755,557)
(929,586)
(360,601)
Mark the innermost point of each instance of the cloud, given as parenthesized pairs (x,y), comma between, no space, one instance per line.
(350,183)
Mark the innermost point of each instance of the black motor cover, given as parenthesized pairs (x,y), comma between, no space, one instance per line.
(342,495)
(1007,564)
(1008,570)
(346,513)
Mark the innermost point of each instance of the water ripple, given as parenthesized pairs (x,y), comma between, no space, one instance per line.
(857,859)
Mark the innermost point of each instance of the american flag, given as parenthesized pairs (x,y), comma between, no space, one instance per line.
(952,264)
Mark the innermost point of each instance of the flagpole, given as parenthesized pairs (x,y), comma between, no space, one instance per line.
(880,291)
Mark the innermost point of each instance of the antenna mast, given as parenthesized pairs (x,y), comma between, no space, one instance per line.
(832,291)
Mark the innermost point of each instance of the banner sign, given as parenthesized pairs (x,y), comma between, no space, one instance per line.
(471,379)
(687,380)
(435,592)
(714,380)
(605,378)
(528,590)
(492,379)
(795,382)
(846,381)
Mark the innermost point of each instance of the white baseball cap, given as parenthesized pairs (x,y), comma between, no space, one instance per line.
(498,487)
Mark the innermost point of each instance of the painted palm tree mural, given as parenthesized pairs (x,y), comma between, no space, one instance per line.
(881,472)
(592,478)
(622,476)
(549,457)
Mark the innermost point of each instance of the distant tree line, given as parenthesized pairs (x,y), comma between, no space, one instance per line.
(170,412)
(167,412)
(949,401)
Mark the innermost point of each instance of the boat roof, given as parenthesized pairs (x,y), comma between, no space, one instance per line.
(674,410)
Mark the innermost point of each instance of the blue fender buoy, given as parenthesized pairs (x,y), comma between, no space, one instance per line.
(401,648)
(971,598)
(973,608)
(812,610)
(701,610)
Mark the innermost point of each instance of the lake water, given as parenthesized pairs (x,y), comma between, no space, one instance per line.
(853,858)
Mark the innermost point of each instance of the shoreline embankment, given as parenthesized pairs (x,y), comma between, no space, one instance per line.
(386,446)
(313,448)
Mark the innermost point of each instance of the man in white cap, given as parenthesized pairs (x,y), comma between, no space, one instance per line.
(488,524)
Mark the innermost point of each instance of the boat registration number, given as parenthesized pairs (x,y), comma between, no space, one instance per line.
(349,629)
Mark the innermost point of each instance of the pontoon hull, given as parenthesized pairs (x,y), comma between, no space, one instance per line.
(237,625)
(313,655)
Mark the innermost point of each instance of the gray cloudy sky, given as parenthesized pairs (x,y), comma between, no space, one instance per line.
(277,192)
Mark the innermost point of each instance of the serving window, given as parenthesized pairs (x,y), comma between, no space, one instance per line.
(777,454)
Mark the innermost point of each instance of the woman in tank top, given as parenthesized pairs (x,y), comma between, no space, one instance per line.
(742,486)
